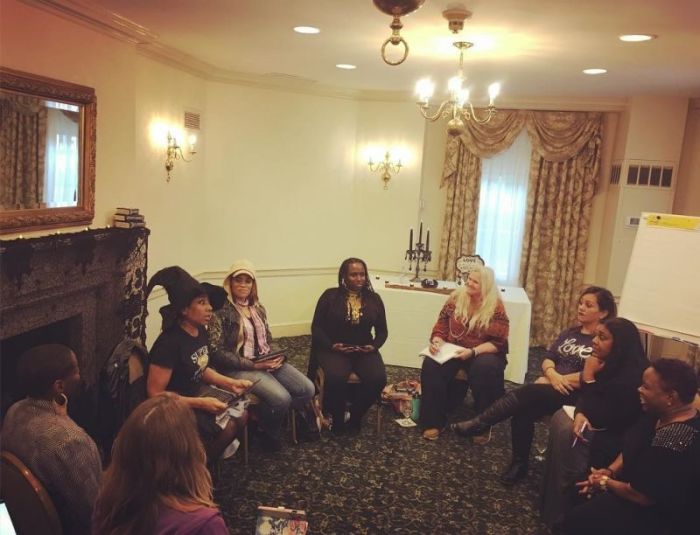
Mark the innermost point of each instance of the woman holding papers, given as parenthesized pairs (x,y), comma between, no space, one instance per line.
(559,384)
(607,406)
(240,340)
(475,319)
(343,343)
(179,359)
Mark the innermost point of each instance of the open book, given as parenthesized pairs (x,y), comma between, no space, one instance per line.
(447,351)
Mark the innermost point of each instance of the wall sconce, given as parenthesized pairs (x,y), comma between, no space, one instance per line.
(386,167)
(174,152)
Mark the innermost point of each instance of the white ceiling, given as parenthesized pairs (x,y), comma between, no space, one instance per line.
(535,48)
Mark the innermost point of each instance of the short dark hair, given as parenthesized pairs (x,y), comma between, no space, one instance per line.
(41,366)
(605,299)
(679,376)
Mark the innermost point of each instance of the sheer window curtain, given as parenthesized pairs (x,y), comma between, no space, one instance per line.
(502,209)
(62,167)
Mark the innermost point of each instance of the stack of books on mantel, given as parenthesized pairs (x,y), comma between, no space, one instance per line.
(128,218)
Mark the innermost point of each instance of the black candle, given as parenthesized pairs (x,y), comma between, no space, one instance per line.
(427,241)
(420,233)
(410,239)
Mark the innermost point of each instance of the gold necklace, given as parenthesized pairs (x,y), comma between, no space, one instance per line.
(353,305)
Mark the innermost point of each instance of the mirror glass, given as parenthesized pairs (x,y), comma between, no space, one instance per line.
(47,152)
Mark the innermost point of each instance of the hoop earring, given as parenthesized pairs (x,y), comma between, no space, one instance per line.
(60,404)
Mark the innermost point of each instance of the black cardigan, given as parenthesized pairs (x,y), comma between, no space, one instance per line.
(331,327)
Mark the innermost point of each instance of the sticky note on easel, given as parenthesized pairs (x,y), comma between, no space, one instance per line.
(673,221)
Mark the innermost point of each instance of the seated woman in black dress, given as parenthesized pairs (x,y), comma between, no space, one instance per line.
(607,406)
(653,486)
(342,342)
(559,384)
(179,358)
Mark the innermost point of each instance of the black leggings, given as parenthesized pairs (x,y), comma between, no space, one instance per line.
(337,367)
(485,374)
(534,402)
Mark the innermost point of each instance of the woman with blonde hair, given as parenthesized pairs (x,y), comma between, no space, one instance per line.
(158,481)
(473,317)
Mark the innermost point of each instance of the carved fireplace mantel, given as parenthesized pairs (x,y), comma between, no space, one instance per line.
(90,283)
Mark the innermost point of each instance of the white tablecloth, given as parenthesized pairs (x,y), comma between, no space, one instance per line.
(411,314)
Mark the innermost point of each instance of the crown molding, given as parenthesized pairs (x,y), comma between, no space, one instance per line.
(147,43)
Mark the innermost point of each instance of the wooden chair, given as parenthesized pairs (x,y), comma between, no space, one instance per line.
(353,379)
(29,504)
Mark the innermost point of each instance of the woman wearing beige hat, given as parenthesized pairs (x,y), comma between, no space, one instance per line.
(238,335)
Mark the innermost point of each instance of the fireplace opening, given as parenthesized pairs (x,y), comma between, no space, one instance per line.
(66,332)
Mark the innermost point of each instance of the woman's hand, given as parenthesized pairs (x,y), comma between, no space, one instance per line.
(238,386)
(212,405)
(465,353)
(342,348)
(435,345)
(580,424)
(271,364)
(559,382)
(367,348)
(592,367)
(593,483)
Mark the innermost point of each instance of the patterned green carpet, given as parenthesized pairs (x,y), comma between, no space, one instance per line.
(394,482)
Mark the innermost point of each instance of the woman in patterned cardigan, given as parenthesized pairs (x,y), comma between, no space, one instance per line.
(473,317)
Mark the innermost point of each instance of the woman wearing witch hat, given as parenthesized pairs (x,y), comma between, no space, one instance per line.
(179,358)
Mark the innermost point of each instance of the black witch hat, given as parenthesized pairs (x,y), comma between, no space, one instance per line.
(182,288)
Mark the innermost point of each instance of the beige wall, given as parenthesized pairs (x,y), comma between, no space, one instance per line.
(687,200)
(279,176)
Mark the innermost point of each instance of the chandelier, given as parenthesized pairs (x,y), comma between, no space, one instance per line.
(458,108)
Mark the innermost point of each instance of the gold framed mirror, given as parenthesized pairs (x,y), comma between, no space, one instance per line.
(47,152)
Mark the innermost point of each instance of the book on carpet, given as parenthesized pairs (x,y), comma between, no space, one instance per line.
(281,521)
(128,224)
(127,211)
(446,352)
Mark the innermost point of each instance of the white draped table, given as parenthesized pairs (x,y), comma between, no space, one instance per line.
(411,314)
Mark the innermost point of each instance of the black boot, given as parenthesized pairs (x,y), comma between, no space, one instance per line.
(499,410)
(515,472)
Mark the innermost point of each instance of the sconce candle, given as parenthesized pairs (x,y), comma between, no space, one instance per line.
(385,167)
(174,152)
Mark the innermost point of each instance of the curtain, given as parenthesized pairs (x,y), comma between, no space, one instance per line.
(462,175)
(22,141)
(501,222)
(563,171)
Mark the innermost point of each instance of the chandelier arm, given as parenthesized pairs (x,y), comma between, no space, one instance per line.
(472,116)
(424,107)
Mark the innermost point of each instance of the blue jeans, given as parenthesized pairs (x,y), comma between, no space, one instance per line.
(278,390)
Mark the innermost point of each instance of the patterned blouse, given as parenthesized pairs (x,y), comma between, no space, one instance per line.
(454,331)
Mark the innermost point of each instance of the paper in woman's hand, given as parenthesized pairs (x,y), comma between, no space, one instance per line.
(446,352)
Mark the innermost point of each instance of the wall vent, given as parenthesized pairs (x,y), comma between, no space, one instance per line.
(615,173)
(632,221)
(192,120)
(658,176)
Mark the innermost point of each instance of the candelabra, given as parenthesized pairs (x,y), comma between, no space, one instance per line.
(418,252)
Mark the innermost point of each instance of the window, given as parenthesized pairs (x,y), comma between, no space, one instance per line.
(62,155)
(502,206)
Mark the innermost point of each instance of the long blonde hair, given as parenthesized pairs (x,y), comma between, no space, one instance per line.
(489,300)
(157,458)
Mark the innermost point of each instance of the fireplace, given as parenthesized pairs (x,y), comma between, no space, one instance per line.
(82,289)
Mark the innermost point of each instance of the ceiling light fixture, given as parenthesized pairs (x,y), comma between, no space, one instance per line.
(594,71)
(306,29)
(637,37)
(396,9)
(458,106)
(346,66)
